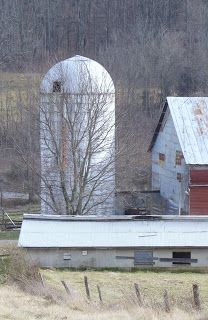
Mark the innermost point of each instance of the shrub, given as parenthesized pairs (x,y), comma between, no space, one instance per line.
(26,275)
(20,270)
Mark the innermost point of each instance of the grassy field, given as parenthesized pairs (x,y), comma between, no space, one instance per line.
(23,295)
(9,235)
(16,214)
(14,84)
(116,286)
(119,300)
(16,305)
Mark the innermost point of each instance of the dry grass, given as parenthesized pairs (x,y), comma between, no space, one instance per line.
(16,304)
(116,285)
(16,91)
(26,296)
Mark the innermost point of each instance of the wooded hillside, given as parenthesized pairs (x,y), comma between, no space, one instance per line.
(152,48)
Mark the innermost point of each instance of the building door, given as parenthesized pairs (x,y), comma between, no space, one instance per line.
(143,257)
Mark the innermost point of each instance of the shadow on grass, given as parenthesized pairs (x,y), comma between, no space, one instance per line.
(200,270)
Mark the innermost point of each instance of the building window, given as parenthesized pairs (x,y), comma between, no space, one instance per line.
(143,257)
(182,258)
(179,176)
(161,157)
(56,86)
(179,157)
(67,256)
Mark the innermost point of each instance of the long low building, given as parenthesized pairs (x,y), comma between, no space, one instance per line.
(115,241)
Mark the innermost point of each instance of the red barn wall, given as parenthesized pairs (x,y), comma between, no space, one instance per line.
(198,195)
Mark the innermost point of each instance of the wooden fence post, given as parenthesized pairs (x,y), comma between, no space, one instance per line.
(138,294)
(197,303)
(3,217)
(42,280)
(166,301)
(99,293)
(1,199)
(66,287)
(87,287)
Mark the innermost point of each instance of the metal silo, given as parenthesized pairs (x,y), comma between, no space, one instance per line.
(77,115)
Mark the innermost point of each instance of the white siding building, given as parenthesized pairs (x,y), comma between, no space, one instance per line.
(180,154)
(116,241)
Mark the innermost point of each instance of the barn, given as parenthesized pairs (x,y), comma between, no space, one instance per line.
(115,241)
(179,150)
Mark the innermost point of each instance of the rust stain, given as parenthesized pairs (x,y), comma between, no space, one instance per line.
(199,108)
(64,147)
(197,111)
(201,118)
(200,131)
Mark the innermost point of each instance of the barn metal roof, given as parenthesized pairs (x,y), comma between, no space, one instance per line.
(113,232)
(190,118)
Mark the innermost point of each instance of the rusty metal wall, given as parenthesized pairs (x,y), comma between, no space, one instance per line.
(198,200)
(199,176)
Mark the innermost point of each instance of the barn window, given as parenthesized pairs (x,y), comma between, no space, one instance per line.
(143,257)
(181,257)
(179,176)
(178,158)
(56,86)
(161,157)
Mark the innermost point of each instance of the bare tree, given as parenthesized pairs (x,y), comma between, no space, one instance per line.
(77,146)
(19,134)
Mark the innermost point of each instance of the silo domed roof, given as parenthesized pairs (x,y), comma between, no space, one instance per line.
(76,74)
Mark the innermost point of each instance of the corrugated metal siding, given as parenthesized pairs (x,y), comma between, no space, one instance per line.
(164,173)
(165,232)
(198,200)
(190,117)
(199,176)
